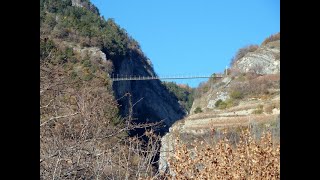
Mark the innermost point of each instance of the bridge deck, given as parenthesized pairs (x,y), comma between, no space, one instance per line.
(143,78)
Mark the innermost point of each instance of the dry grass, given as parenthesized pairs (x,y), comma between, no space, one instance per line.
(247,159)
(271,38)
(256,86)
(242,52)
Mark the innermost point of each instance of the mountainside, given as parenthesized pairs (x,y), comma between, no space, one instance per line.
(249,96)
(78,24)
(85,118)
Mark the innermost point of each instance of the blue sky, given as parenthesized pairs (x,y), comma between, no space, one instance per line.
(193,37)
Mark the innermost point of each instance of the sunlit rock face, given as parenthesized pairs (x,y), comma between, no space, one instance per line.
(265,60)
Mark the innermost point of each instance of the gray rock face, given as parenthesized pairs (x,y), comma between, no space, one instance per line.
(85,4)
(166,151)
(265,60)
(76,3)
(152,100)
(93,52)
(220,95)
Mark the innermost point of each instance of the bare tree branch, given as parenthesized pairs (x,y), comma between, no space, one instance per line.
(47,104)
(58,117)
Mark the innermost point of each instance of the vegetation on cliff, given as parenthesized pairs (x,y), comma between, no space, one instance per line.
(184,93)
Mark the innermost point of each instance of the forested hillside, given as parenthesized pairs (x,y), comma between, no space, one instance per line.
(83,135)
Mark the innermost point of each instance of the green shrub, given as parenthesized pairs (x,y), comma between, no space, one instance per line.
(69,52)
(257,111)
(229,103)
(73,75)
(87,63)
(88,77)
(218,103)
(197,110)
(221,104)
(46,46)
(236,95)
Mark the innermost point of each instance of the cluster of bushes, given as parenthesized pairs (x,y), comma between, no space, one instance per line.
(46,46)
(250,85)
(198,110)
(224,104)
(56,54)
(259,110)
(254,86)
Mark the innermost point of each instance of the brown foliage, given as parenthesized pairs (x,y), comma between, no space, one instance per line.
(248,159)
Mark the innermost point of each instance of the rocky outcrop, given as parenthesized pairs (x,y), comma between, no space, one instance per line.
(92,52)
(77,3)
(86,4)
(265,60)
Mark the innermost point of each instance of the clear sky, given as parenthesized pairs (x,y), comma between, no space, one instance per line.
(193,37)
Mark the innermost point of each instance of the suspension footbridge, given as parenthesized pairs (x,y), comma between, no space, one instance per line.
(143,78)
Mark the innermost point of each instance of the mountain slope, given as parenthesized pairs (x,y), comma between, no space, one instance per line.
(82,132)
(78,22)
(249,96)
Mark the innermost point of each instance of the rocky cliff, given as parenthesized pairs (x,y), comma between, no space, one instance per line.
(151,100)
(265,60)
